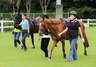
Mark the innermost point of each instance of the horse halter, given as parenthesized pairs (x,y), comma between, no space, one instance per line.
(44,27)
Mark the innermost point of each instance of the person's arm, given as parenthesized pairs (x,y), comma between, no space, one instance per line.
(20,24)
(38,38)
(80,32)
(82,38)
(66,29)
(28,28)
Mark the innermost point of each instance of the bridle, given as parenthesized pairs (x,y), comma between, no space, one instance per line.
(44,27)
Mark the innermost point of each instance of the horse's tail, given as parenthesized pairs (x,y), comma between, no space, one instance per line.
(86,43)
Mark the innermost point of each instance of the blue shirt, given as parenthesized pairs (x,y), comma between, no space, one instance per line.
(24,24)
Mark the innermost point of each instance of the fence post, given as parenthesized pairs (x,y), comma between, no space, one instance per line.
(80,19)
(2,26)
(88,22)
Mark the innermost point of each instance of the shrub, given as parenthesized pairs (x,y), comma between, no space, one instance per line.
(84,12)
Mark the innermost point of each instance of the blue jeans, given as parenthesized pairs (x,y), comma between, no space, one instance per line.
(16,38)
(24,34)
(72,52)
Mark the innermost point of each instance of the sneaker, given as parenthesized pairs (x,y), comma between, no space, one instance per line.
(68,61)
(21,46)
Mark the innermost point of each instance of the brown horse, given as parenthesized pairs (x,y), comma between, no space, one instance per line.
(56,26)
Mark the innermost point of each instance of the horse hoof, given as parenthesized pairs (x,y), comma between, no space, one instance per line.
(33,47)
(25,49)
(85,54)
(64,56)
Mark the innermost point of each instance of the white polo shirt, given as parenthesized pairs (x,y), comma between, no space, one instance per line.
(46,36)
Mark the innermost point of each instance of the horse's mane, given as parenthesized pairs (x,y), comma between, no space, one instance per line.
(51,21)
(81,23)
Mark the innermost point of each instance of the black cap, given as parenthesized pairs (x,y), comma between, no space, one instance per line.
(46,16)
(24,14)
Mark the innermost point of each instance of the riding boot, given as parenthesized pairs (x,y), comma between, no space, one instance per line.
(25,48)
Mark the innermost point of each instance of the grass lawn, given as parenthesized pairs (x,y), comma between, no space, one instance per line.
(16,57)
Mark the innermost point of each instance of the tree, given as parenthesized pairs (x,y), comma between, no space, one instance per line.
(18,4)
(12,3)
(15,4)
(4,5)
(44,4)
(27,3)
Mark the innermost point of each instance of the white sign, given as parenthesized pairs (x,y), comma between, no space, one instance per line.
(58,2)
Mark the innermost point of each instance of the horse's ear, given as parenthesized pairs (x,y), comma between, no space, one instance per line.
(61,19)
(43,18)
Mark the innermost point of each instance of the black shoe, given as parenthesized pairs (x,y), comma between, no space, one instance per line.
(25,49)
(46,55)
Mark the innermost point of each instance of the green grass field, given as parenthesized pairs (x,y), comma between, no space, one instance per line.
(15,57)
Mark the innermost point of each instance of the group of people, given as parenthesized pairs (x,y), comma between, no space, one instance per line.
(24,27)
(72,27)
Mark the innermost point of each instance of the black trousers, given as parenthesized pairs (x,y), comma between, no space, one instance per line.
(44,45)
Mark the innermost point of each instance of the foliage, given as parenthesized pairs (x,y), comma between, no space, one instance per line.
(85,8)
(84,12)
(8,24)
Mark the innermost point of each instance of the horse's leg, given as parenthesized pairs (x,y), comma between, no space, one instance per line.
(76,47)
(85,51)
(32,39)
(63,48)
(51,49)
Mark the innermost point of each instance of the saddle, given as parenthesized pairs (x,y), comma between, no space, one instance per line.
(64,22)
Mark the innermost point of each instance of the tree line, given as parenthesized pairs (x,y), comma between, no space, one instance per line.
(85,8)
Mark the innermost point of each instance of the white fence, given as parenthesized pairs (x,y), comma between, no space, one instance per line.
(2,25)
(86,24)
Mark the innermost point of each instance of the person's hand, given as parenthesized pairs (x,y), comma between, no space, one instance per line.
(59,34)
(13,32)
(28,34)
(83,40)
(39,39)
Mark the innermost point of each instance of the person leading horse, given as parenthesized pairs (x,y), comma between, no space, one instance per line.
(73,27)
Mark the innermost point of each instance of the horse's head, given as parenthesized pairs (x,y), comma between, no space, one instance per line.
(42,27)
(17,18)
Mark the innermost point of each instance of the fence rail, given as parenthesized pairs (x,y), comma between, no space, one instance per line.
(87,24)
(2,25)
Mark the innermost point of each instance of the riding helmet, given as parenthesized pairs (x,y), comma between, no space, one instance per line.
(73,12)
